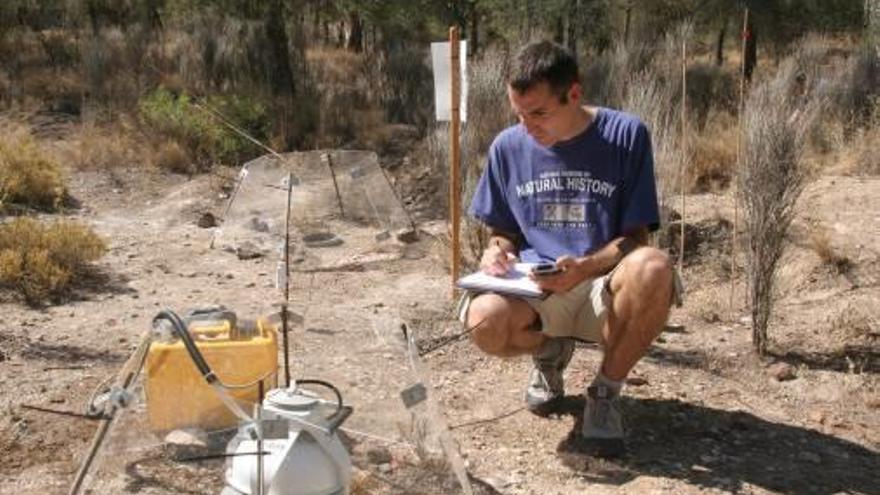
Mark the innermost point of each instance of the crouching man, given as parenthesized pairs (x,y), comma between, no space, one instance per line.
(572,185)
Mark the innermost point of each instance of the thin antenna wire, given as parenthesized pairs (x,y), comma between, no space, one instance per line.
(284,315)
(241,132)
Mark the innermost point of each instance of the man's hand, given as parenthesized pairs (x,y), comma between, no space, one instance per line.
(574,271)
(496,261)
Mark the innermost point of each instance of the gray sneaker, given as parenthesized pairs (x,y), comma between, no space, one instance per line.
(545,385)
(603,423)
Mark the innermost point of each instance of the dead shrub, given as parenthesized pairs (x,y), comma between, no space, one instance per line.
(171,156)
(713,155)
(28,176)
(855,87)
(653,94)
(404,85)
(778,116)
(488,114)
(99,147)
(867,159)
(867,142)
(709,87)
(40,261)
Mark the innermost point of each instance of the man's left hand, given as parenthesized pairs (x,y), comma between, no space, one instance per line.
(572,274)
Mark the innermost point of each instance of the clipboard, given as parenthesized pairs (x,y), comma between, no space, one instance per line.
(515,282)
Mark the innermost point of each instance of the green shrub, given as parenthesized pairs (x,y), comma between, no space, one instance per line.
(40,261)
(28,177)
(201,133)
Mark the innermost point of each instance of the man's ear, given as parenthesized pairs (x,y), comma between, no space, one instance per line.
(575,92)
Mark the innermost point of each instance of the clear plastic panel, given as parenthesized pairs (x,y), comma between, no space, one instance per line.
(343,214)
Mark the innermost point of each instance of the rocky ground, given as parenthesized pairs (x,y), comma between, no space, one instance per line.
(704,414)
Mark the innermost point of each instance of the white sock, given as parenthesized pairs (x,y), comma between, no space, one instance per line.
(613,385)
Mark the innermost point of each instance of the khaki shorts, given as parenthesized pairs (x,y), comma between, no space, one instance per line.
(579,313)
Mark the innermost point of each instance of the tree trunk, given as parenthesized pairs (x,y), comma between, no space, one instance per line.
(751,58)
(719,47)
(559,32)
(574,25)
(94,18)
(281,73)
(474,40)
(355,41)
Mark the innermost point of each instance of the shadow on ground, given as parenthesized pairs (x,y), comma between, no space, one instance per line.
(69,353)
(96,282)
(857,358)
(727,450)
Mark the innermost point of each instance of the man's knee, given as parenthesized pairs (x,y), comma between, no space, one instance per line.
(647,268)
(489,317)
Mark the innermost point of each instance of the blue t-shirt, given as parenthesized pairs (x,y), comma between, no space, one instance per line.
(573,197)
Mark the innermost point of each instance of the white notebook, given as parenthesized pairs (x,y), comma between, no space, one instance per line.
(516,282)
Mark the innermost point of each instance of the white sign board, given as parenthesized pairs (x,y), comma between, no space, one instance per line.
(443,80)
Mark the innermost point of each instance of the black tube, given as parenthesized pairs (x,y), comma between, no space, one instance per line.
(336,419)
(342,411)
(180,329)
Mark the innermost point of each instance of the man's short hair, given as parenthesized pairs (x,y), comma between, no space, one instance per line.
(544,61)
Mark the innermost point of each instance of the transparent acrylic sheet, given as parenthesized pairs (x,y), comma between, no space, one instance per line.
(333,191)
(396,447)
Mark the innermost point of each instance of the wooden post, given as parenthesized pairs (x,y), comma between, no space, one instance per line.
(739,154)
(684,145)
(454,154)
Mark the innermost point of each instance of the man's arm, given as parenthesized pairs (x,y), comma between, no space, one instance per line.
(501,252)
(600,262)
(606,258)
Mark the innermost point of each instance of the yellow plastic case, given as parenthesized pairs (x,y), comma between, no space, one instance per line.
(177,395)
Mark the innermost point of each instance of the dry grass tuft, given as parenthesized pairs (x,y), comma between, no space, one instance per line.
(40,261)
(29,177)
(96,147)
(821,243)
(867,142)
(713,155)
(171,156)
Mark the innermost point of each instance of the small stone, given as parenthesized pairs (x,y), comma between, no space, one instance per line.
(247,251)
(385,468)
(259,225)
(674,327)
(407,236)
(782,371)
(498,483)
(636,381)
(207,221)
(189,437)
(817,416)
(379,455)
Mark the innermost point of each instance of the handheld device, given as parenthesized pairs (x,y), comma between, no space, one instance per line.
(545,269)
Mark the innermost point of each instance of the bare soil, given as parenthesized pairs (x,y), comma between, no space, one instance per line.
(704,414)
